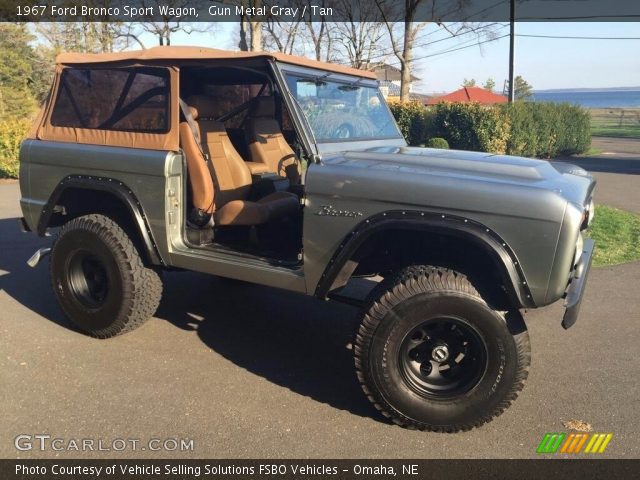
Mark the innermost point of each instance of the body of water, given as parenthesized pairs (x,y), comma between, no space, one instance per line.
(602,99)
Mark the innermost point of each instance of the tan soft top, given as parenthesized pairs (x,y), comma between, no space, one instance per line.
(201,53)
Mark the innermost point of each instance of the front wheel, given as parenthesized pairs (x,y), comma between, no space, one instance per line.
(432,355)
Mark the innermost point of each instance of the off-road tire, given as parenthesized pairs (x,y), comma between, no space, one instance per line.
(133,290)
(410,297)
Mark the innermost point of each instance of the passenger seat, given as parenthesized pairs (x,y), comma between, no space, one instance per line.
(225,196)
(267,145)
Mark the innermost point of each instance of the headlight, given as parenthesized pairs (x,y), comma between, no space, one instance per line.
(589,212)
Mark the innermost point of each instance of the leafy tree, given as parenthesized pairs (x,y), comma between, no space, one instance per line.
(490,84)
(522,90)
(469,83)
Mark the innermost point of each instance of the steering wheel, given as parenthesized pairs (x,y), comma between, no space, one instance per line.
(344,130)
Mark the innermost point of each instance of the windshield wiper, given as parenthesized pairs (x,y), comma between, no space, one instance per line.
(322,77)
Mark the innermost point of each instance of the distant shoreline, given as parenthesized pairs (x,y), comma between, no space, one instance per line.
(592,99)
(588,90)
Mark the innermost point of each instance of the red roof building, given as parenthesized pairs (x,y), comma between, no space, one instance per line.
(468,95)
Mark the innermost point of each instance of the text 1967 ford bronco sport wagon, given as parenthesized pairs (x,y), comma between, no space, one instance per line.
(283,171)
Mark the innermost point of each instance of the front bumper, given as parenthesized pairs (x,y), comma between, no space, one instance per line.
(576,288)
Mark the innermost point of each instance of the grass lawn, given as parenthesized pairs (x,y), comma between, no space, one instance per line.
(617,236)
(615,122)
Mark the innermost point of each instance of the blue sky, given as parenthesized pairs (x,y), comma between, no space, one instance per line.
(544,63)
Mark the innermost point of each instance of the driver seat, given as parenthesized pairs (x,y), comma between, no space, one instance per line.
(267,144)
(226,194)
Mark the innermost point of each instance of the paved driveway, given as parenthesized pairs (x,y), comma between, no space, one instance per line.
(617,169)
(248,371)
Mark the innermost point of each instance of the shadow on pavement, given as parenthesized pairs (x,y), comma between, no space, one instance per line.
(630,166)
(292,340)
(28,286)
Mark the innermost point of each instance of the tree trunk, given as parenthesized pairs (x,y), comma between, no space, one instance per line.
(405,81)
(255,28)
(256,36)
(243,45)
(406,62)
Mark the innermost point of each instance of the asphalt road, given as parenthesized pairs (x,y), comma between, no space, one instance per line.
(248,371)
(617,155)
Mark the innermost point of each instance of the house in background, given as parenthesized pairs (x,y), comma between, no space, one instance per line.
(468,95)
(389,79)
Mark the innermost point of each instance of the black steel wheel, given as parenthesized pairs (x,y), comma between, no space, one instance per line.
(442,358)
(430,353)
(88,278)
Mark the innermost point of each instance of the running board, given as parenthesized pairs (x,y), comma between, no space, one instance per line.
(354,302)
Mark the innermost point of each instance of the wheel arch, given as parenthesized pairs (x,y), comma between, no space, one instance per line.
(78,195)
(398,223)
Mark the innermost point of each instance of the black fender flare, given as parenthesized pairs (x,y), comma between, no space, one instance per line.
(114,187)
(340,269)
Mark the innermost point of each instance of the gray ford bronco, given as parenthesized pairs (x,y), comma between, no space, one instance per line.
(287,172)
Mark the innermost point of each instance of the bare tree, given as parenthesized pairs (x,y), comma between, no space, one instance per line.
(282,36)
(405,20)
(399,20)
(164,25)
(93,37)
(362,32)
(320,32)
(102,34)
(255,27)
(250,31)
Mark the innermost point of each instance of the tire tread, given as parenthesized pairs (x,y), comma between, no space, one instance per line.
(142,285)
(406,283)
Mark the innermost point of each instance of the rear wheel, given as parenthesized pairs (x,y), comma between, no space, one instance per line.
(432,355)
(100,279)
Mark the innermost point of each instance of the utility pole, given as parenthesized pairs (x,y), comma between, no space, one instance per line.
(512,51)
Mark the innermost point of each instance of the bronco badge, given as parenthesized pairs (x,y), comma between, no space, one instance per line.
(328,210)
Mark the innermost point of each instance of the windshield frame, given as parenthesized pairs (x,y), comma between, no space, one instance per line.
(334,145)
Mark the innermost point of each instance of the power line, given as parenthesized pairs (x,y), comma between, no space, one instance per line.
(450,37)
(585,17)
(474,44)
(461,48)
(577,38)
(464,46)
(426,44)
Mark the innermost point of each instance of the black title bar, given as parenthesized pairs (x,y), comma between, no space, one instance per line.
(310,469)
(317,10)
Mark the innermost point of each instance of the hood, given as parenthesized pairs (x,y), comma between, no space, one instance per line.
(569,181)
(458,182)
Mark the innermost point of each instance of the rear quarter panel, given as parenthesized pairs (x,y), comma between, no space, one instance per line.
(45,164)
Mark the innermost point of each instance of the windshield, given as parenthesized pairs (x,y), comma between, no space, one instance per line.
(339,111)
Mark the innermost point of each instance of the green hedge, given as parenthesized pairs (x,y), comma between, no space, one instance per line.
(11,134)
(437,142)
(543,130)
(547,130)
(471,126)
(414,120)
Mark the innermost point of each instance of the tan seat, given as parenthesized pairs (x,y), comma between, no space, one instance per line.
(225,196)
(267,145)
